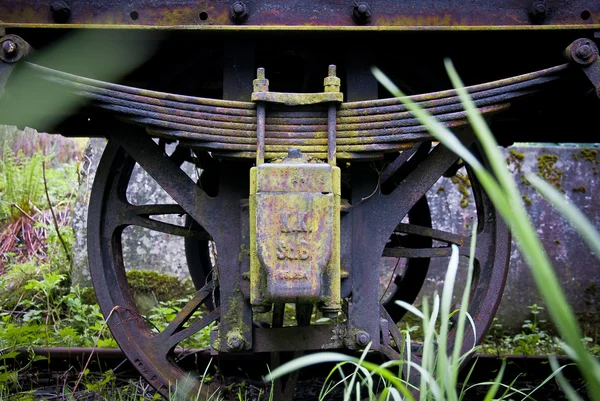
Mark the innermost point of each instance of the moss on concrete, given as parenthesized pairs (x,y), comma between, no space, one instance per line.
(548,170)
(463,184)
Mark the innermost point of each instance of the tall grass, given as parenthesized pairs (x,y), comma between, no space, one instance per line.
(504,193)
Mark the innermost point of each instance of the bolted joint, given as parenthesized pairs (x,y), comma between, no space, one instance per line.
(582,51)
(538,11)
(261,84)
(362,338)
(361,13)
(331,82)
(60,12)
(235,343)
(9,47)
(12,48)
(238,12)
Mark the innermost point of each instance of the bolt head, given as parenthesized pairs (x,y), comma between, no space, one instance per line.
(237,8)
(362,338)
(238,12)
(60,11)
(9,47)
(361,13)
(584,51)
(540,8)
(235,344)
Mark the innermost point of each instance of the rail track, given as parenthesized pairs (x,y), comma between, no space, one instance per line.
(55,375)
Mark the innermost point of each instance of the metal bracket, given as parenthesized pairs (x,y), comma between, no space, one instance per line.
(584,53)
(12,49)
(331,95)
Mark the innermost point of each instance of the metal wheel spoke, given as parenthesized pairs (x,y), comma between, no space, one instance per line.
(169,176)
(152,210)
(192,329)
(414,186)
(400,252)
(188,310)
(432,233)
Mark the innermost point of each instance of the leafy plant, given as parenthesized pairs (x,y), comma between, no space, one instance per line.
(21,184)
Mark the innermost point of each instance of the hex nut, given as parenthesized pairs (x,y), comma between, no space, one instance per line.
(238,12)
(235,343)
(9,47)
(60,12)
(361,13)
(362,338)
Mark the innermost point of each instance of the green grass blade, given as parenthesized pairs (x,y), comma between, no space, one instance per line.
(562,382)
(496,384)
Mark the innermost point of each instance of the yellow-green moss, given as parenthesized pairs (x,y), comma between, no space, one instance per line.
(162,286)
(591,155)
(440,189)
(515,158)
(581,189)
(526,200)
(549,172)
(463,184)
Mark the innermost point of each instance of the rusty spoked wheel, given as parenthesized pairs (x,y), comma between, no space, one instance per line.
(416,242)
(150,350)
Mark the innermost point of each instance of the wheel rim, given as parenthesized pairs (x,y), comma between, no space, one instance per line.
(109,213)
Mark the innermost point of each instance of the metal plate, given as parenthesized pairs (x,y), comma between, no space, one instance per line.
(303,14)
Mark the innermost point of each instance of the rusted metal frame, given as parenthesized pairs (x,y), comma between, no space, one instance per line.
(318,155)
(439,235)
(303,148)
(397,163)
(169,176)
(182,317)
(237,129)
(260,134)
(399,252)
(365,259)
(174,339)
(374,217)
(182,113)
(409,122)
(235,326)
(406,118)
(363,268)
(317,337)
(375,114)
(182,117)
(419,181)
(227,105)
(246,108)
(296,99)
(159,226)
(301,15)
(191,138)
(584,53)
(473,89)
(139,215)
(332,133)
